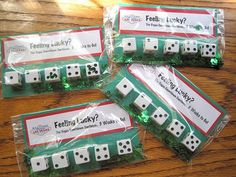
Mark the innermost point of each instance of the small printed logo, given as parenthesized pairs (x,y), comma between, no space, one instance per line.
(17,49)
(132,19)
(40,130)
(198,28)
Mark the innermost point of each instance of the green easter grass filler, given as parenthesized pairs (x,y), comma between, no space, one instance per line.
(71,59)
(180,36)
(76,139)
(168,105)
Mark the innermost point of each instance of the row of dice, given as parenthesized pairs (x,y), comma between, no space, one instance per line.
(52,74)
(150,45)
(81,156)
(160,116)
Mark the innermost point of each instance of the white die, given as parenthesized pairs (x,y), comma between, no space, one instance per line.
(92,69)
(208,50)
(32,76)
(171,46)
(129,45)
(191,142)
(60,160)
(176,128)
(52,74)
(102,152)
(12,78)
(124,87)
(150,45)
(189,47)
(39,163)
(73,71)
(81,155)
(142,101)
(124,146)
(160,116)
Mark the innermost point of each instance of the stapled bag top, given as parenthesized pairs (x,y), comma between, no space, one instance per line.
(53,46)
(166,21)
(75,123)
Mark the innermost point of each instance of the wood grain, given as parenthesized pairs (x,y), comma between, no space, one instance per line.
(218,159)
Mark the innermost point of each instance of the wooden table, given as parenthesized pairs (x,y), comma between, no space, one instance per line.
(218,159)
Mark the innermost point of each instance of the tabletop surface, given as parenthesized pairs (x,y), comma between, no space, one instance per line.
(217,159)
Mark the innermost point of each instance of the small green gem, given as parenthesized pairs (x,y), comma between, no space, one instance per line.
(144,117)
(214,61)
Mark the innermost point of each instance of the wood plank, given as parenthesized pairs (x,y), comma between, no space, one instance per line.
(217,159)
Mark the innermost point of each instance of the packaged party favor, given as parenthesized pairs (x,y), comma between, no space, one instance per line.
(169,105)
(71,59)
(76,139)
(180,36)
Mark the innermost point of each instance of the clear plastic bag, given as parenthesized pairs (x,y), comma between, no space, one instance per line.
(64,60)
(167,104)
(179,36)
(76,139)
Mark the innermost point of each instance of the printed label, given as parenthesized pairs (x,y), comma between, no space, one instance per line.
(189,23)
(81,122)
(52,46)
(179,94)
